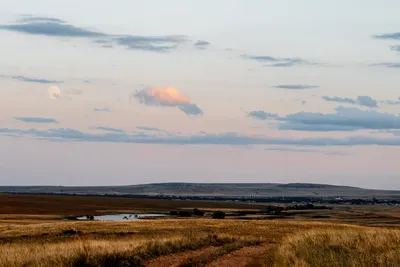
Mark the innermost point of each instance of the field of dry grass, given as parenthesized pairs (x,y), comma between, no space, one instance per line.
(136,243)
(343,237)
(333,248)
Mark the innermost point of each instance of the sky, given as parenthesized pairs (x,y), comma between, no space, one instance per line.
(132,92)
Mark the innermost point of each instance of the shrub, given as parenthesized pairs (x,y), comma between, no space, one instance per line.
(185,213)
(198,212)
(218,215)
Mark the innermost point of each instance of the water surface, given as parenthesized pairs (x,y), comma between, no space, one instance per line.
(121,217)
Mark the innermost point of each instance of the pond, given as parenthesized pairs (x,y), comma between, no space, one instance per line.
(121,217)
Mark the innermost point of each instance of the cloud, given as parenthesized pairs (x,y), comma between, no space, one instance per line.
(395,48)
(387,64)
(300,150)
(30,18)
(388,36)
(344,119)
(296,86)
(261,115)
(53,27)
(73,92)
(65,134)
(166,97)
(54,92)
(278,62)
(105,109)
(339,99)
(145,128)
(31,80)
(109,129)
(202,44)
(36,120)
(390,102)
(150,43)
(365,101)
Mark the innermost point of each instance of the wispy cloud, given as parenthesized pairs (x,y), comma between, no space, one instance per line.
(388,36)
(36,120)
(109,129)
(145,128)
(65,134)
(391,102)
(302,150)
(365,101)
(261,115)
(395,48)
(339,99)
(30,18)
(201,44)
(296,86)
(344,119)
(166,97)
(279,62)
(53,27)
(31,80)
(388,64)
(105,109)
(73,92)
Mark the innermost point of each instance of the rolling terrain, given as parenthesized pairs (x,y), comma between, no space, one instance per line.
(208,189)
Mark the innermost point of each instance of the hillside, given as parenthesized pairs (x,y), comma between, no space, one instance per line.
(208,189)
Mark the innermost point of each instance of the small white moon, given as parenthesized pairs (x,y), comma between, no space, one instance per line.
(54,92)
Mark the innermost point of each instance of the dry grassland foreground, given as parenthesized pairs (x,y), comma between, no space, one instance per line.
(195,242)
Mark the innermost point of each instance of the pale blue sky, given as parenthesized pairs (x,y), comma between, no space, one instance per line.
(200,91)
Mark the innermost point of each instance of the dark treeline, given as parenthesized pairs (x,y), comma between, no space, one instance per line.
(286,200)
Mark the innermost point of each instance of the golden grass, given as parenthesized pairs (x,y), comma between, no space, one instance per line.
(358,246)
(117,243)
(130,243)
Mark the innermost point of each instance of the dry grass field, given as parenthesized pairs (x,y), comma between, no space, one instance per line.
(349,237)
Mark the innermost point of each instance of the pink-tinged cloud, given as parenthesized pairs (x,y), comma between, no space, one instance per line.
(167,97)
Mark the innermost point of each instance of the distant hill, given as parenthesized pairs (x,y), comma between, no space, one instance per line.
(209,189)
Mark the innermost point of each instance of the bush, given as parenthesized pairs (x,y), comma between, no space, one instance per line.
(198,212)
(185,213)
(218,215)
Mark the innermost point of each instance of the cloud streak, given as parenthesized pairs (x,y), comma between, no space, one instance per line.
(302,150)
(31,80)
(53,27)
(166,97)
(36,120)
(65,134)
(388,36)
(145,128)
(202,44)
(365,101)
(73,92)
(395,48)
(295,86)
(109,129)
(105,109)
(278,62)
(344,119)
(392,65)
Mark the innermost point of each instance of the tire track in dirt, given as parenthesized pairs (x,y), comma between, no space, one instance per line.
(176,259)
(261,255)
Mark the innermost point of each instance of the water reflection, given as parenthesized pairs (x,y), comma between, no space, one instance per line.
(119,217)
